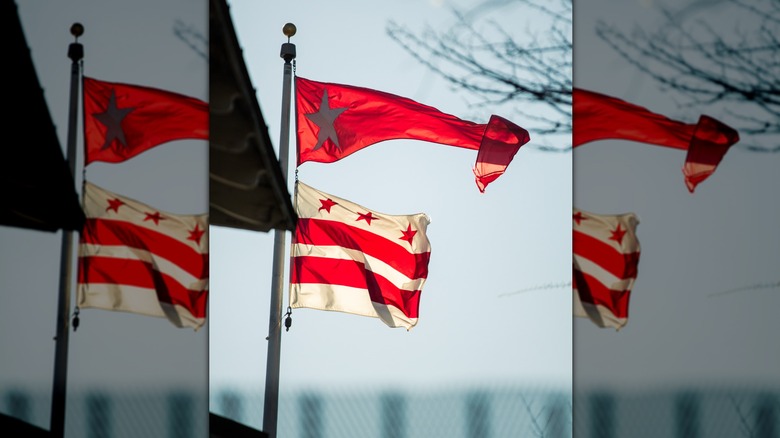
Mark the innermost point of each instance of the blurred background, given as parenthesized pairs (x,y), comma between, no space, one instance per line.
(495,352)
(699,355)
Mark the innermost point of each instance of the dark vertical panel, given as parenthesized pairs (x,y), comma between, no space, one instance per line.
(767,409)
(602,414)
(98,415)
(18,405)
(393,416)
(310,408)
(180,419)
(686,416)
(477,415)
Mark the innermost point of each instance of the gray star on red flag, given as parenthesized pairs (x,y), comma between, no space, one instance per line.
(324,119)
(112,120)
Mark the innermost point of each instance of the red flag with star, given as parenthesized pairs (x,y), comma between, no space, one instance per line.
(334,121)
(122,120)
(135,258)
(350,259)
(606,258)
(601,117)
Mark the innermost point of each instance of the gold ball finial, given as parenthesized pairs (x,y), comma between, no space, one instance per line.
(289,30)
(77,29)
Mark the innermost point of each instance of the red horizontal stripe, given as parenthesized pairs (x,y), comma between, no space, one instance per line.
(319,270)
(591,290)
(620,265)
(122,233)
(141,274)
(330,233)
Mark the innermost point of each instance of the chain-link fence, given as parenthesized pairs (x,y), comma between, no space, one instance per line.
(700,413)
(375,413)
(484,412)
(115,414)
(468,413)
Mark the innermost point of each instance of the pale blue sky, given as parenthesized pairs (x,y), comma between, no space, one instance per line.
(682,330)
(122,43)
(514,236)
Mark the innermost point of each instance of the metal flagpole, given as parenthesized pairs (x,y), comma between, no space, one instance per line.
(57,424)
(271,405)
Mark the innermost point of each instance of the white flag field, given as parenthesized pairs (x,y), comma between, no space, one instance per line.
(606,257)
(347,258)
(138,259)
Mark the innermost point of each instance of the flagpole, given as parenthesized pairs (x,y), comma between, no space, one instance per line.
(271,404)
(57,424)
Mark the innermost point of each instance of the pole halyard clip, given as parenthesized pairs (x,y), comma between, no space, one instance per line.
(288,320)
(76,319)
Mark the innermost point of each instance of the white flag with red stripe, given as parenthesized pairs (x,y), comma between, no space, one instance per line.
(135,258)
(350,259)
(606,257)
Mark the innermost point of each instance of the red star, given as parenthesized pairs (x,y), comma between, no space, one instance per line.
(408,235)
(367,216)
(114,204)
(154,217)
(617,235)
(578,217)
(326,204)
(196,234)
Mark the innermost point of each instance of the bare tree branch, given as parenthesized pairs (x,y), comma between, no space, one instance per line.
(192,37)
(752,287)
(531,74)
(694,58)
(561,285)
